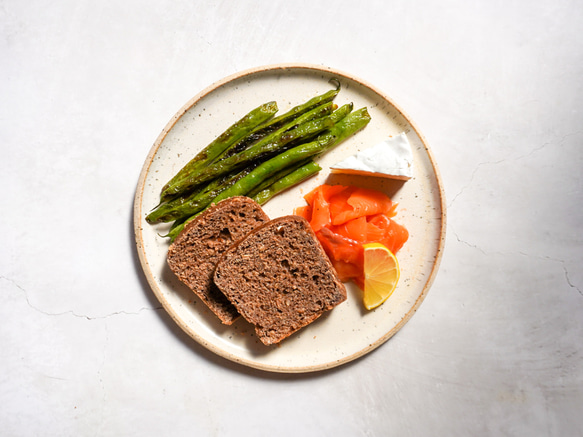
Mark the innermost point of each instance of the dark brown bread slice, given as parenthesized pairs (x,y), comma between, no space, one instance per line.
(194,254)
(279,278)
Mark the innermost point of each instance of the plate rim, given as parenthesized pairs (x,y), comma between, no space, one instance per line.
(138,228)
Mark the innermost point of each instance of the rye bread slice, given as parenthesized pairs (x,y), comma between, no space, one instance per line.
(279,278)
(195,252)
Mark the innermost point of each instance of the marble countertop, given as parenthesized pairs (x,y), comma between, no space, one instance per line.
(494,350)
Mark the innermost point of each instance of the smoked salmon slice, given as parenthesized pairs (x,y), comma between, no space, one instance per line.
(363,202)
(346,217)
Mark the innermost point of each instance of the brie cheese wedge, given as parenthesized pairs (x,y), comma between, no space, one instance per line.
(391,158)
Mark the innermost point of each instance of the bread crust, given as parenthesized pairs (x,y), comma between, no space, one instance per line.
(279,278)
(196,251)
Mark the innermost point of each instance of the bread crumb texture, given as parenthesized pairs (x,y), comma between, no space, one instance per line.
(279,278)
(195,253)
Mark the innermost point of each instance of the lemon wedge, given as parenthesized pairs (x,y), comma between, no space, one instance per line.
(381,274)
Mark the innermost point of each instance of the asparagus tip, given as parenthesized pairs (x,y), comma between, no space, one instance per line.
(336,82)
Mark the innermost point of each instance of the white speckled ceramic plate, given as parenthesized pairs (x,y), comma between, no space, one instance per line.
(348,331)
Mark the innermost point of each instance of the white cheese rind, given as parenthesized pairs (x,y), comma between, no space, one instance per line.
(391,158)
